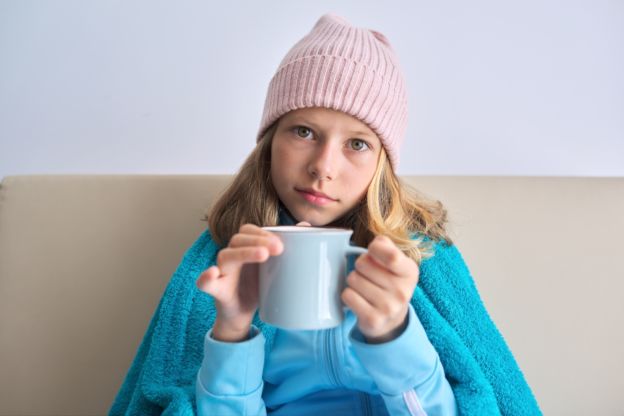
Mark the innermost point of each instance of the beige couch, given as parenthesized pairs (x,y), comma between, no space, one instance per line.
(84,261)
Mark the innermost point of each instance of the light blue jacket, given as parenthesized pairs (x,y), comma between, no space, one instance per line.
(331,372)
(478,364)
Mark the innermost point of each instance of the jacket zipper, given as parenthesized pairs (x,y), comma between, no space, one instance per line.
(333,376)
(366,406)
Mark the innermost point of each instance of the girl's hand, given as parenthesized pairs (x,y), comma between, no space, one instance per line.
(379,290)
(237,301)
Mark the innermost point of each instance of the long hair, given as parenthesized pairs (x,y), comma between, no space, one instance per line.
(390,207)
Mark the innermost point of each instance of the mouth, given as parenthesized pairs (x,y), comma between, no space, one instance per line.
(314,197)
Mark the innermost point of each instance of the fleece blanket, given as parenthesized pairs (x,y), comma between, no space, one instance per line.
(481,369)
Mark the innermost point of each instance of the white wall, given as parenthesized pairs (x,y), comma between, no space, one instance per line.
(495,88)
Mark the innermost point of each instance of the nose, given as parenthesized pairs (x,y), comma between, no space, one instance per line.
(323,164)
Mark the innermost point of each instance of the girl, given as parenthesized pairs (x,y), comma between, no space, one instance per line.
(327,153)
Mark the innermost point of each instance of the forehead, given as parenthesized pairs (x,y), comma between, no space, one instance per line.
(328,119)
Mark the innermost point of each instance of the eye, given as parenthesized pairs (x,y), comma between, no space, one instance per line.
(302,131)
(359,145)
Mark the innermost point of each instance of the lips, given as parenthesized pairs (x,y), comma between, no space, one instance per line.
(316,193)
(315,197)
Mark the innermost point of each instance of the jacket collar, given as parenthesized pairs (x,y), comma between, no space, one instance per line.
(284,217)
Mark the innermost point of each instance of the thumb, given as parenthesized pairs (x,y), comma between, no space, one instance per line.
(304,224)
(213,283)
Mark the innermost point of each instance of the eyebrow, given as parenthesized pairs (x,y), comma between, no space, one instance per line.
(301,119)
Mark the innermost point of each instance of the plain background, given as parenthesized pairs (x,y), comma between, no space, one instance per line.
(495,88)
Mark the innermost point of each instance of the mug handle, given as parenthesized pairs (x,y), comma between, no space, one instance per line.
(355,250)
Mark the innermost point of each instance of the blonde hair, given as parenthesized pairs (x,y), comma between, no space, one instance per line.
(390,208)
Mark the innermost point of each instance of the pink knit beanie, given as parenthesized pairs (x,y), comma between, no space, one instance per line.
(345,68)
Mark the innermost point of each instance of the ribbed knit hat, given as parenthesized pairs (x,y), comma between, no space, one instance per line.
(345,68)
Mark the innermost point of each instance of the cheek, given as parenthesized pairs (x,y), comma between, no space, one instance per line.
(282,166)
(276,156)
(277,175)
(361,179)
(353,187)
(285,160)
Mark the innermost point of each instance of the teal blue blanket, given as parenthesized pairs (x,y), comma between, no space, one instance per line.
(479,366)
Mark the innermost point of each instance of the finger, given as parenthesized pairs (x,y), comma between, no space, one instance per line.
(208,280)
(271,242)
(230,260)
(387,255)
(373,294)
(253,229)
(304,224)
(361,307)
(368,267)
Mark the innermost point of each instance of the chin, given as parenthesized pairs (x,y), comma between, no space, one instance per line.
(314,220)
(319,222)
(316,217)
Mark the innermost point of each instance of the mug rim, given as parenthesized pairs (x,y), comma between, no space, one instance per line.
(303,229)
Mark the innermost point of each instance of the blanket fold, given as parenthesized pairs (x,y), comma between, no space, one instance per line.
(481,369)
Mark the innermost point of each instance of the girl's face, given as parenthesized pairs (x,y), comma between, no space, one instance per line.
(322,162)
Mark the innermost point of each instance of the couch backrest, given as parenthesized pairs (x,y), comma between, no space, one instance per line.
(84,260)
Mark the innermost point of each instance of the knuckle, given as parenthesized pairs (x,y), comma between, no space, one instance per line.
(403,296)
(394,258)
(260,253)
(359,263)
(386,308)
(395,309)
(375,245)
(235,241)
(347,294)
(414,270)
(248,228)
(221,257)
(373,320)
(352,278)
(366,319)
